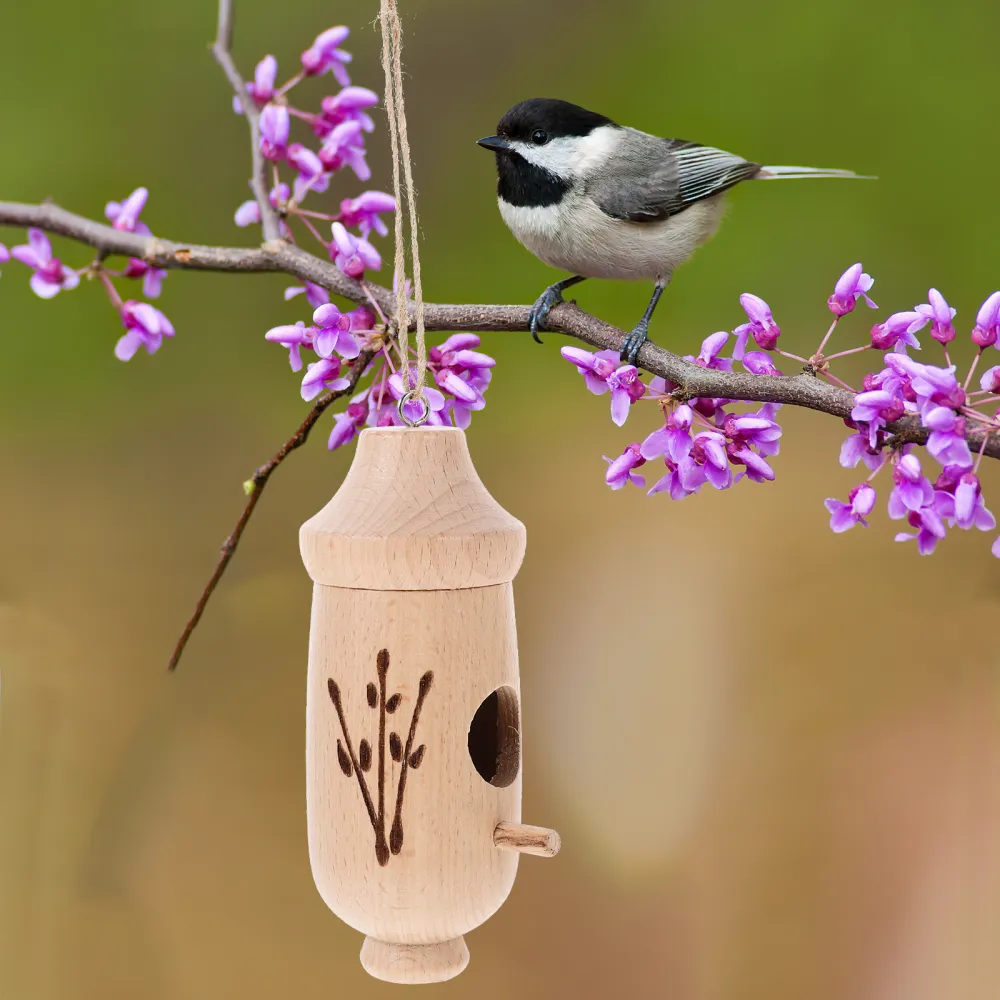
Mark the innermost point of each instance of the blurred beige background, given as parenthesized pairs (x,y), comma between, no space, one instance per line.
(773,754)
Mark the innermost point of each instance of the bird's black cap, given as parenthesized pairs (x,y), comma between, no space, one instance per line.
(557,118)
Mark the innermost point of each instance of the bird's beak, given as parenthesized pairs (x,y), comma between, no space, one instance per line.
(494,142)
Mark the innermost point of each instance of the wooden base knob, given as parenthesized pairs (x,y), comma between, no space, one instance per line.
(414,963)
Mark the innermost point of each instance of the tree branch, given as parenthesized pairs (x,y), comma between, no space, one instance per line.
(270,224)
(255,486)
(806,390)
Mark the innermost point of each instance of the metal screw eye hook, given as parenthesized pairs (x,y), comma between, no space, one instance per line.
(413,395)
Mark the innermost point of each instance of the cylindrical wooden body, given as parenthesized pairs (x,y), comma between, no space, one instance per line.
(447,877)
(413,701)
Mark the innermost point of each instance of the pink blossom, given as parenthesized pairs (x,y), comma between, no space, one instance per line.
(312,174)
(941,315)
(620,470)
(325,54)
(987,322)
(315,295)
(947,438)
(843,516)
(930,529)
(323,374)
(596,367)
(626,388)
(851,285)
(899,328)
(759,363)
(858,448)
(911,490)
(602,373)
(755,466)
(248,214)
(50,276)
(990,381)
(352,254)
(759,429)
(333,335)
(146,327)
(708,356)
(348,105)
(970,510)
(261,90)
(670,483)
(673,439)
(275,125)
(345,146)
(364,210)
(152,277)
(294,337)
(762,326)
(124,216)
(347,425)
(707,461)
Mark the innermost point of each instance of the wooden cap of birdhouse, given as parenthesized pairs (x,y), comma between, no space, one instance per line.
(412,514)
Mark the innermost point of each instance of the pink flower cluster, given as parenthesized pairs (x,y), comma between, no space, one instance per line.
(701,440)
(145,326)
(944,406)
(707,441)
(340,125)
(460,373)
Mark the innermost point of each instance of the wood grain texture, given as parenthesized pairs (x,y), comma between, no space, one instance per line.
(412,514)
(413,742)
(537,840)
(447,876)
(411,964)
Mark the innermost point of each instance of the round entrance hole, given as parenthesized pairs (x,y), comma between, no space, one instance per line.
(495,738)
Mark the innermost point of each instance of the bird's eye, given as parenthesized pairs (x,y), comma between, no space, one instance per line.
(539,137)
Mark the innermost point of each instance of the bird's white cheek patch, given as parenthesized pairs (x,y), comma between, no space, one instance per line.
(570,156)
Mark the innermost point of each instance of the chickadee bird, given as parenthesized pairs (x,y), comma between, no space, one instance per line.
(602,200)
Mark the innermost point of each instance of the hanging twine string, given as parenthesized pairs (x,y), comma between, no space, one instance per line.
(392,65)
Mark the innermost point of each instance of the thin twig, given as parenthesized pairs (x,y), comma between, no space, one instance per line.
(255,485)
(270,225)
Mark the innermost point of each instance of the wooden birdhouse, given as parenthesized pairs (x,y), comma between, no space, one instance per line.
(413,735)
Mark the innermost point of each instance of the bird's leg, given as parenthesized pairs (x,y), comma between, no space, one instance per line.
(551,297)
(639,336)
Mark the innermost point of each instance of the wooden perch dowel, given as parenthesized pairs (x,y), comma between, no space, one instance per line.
(537,840)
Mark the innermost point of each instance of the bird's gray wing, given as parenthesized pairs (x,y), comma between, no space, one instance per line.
(648,179)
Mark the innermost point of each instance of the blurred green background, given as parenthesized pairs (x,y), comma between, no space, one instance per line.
(773,754)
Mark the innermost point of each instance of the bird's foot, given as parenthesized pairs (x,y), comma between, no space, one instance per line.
(539,315)
(634,341)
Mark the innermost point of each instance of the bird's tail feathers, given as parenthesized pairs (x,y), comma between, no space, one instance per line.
(795,173)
